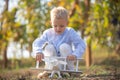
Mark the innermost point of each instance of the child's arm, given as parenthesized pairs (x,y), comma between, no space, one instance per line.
(38,46)
(78,43)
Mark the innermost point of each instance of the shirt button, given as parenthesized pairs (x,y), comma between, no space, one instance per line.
(59,53)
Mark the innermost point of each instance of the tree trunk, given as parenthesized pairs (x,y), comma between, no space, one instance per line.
(88,50)
(30,50)
(88,55)
(5,56)
(86,15)
(117,50)
(72,12)
(6,5)
(5,44)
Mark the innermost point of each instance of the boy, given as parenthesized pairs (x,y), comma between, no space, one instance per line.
(61,40)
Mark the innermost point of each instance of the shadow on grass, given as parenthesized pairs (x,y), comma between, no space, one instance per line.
(110,62)
(111,65)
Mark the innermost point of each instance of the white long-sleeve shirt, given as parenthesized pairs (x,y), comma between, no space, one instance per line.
(69,36)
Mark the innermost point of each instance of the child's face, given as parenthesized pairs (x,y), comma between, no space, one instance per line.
(59,25)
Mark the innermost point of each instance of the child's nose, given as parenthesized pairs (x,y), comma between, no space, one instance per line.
(58,28)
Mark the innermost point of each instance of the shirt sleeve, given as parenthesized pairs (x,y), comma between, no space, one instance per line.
(78,43)
(38,43)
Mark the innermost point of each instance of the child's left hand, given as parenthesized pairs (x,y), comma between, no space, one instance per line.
(71,57)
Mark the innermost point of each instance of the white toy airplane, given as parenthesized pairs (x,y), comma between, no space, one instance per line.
(54,67)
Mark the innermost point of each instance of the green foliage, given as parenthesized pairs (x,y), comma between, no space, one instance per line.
(23,23)
(36,15)
(100,28)
(8,25)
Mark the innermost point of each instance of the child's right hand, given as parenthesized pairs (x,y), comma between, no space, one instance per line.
(39,57)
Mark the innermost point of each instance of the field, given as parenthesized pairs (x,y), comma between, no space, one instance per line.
(105,66)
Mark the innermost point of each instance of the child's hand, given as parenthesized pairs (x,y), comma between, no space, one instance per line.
(39,57)
(71,57)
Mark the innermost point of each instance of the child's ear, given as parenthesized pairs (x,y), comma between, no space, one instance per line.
(51,24)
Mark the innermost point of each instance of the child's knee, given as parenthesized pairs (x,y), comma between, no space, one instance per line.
(49,50)
(64,46)
(65,49)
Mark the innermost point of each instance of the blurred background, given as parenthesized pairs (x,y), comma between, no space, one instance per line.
(97,22)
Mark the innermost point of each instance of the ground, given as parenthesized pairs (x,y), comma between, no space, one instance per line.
(105,66)
(91,74)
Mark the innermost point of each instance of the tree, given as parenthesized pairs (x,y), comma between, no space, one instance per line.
(36,19)
(7,20)
(103,23)
(101,26)
(4,45)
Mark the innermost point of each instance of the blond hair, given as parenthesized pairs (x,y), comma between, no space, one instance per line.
(59,13)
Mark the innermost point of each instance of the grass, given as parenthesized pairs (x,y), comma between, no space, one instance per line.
(104,62)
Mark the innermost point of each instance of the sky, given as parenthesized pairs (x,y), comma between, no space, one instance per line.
(12,3)
(14,51)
